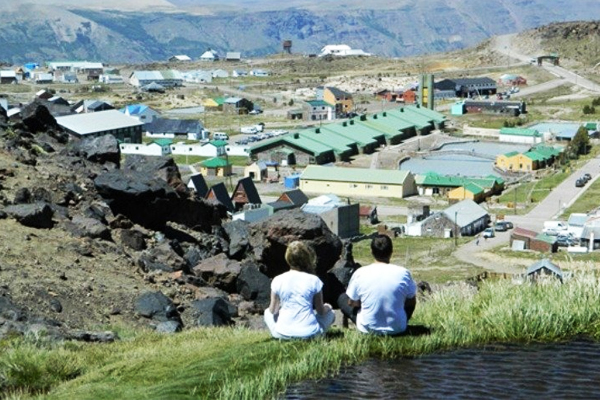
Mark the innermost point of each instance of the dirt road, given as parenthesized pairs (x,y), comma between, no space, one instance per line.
(504,44)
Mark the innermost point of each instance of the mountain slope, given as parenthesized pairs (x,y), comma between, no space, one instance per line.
(41,33)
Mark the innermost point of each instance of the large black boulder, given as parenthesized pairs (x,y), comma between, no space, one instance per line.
(36,215)
(151,202)
(253,285)
(36,118)
(214,311)
(156,306)
(162,257)
(101,149)
(237,231)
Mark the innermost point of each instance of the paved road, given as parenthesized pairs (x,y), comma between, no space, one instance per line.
(563,196)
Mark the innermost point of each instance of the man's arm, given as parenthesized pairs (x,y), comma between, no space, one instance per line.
(353,303)
(409,306)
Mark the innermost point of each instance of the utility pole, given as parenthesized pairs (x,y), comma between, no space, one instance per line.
(515,205)
(455,229)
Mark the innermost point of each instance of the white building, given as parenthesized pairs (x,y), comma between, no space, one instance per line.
(209,55)
(110,79)
(341,50)
(156,148)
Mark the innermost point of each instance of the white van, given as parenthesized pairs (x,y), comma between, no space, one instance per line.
(220,136)
(555,227)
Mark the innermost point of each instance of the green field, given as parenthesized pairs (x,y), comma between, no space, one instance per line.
(236,363)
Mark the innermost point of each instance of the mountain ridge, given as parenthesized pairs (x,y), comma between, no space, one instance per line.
(39,33)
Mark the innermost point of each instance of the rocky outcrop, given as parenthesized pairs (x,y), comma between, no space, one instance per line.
(36,215)
(269,240)
(103,149)
(149,201)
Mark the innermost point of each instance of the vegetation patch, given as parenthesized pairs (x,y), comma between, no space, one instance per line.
(240,363)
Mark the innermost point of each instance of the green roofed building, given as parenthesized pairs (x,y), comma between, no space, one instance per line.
(215,167)
(340,141)
(360,182)
(459,187)
(521,135)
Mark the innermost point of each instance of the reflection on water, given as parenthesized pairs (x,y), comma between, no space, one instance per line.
(554,371)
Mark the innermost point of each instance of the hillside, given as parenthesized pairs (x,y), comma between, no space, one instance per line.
(578,42)
(39,32)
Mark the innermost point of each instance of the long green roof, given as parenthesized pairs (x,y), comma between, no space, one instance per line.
(359,175)
(359,136)
(431,114)
(435,179)
(511,153)
(338,143)
(520,132)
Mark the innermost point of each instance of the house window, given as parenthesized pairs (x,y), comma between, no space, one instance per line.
(384,187)
(368,186)
(189,150)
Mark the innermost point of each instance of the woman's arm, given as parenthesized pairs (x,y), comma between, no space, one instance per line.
(274,306)
(320,307)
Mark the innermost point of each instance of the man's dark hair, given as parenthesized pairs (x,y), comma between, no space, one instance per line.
(382,248)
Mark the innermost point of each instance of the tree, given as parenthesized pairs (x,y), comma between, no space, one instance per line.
(580,143)
(291,102)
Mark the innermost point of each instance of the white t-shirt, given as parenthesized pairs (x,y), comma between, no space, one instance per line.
(382,290)
(296,291)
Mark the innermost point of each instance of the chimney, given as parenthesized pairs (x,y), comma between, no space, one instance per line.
(344,123)
(374,116)
(318,130)
(385,114)
(351,122)
(296,135)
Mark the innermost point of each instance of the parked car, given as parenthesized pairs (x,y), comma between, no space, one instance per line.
(508,224)
(489,233)
(500,226)
(587,176)
(580,182)
(566,240)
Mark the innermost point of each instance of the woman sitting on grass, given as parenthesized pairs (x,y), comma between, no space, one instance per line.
(297,310)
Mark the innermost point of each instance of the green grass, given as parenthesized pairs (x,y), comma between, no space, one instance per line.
(429,259)
(232,363)
(588,201)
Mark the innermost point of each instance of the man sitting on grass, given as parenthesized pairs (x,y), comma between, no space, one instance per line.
(381,297)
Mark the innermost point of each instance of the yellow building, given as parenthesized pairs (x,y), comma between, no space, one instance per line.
(469,191)
(508,161)
(362,182)
(342,101)
(215,167)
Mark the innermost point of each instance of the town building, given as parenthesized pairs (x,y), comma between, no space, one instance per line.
(357,182)
(340,217)
(216,166)
(166,79)
(125,128)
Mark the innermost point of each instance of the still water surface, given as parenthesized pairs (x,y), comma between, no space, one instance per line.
(552,371)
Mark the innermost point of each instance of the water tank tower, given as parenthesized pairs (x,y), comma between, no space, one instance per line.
(287,46)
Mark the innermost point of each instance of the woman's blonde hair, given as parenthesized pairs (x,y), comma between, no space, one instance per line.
(301,257)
